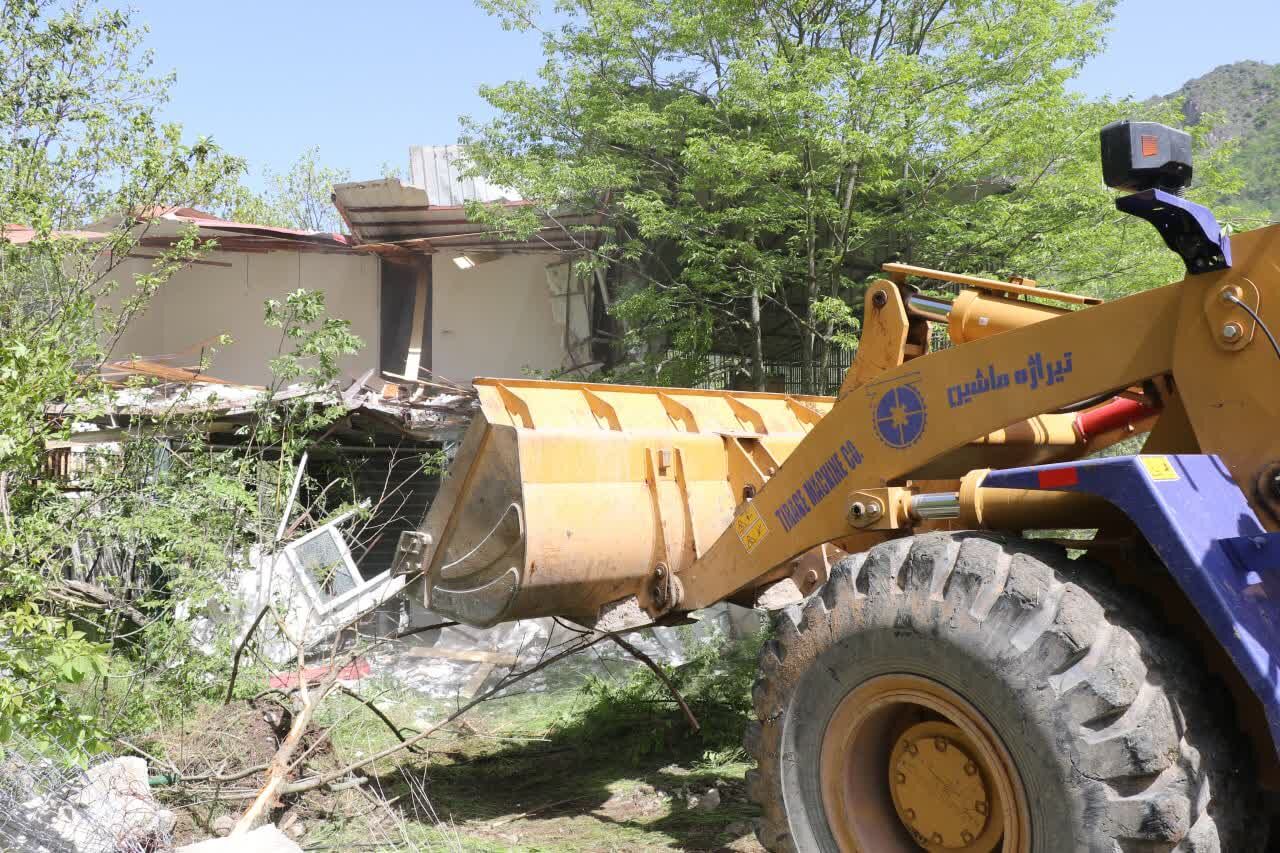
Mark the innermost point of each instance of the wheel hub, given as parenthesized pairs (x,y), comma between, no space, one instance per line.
(908,765)
(938,789)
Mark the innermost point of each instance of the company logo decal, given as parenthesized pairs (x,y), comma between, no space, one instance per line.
(829,474)
(1039,371)
(900,416)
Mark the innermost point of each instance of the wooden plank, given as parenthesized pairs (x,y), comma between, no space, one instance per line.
(467,655)
(477,680)
(451,388)
(172,374)
(418,331)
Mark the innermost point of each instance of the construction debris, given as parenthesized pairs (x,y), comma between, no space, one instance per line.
(426,411)
(108,810)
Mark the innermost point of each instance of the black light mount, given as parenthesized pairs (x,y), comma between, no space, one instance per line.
(1153,163)
(1144,155)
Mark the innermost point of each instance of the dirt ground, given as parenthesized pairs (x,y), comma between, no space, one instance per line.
(591,802)
(513,777)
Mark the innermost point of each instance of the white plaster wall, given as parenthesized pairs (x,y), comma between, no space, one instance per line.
(496,319)
(203,301)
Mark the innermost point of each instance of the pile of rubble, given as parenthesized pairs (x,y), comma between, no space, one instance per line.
(107,808)
(422,409)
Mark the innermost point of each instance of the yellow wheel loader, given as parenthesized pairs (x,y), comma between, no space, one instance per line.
(939,679)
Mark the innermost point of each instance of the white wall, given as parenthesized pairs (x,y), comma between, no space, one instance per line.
(497,319)
(204,301)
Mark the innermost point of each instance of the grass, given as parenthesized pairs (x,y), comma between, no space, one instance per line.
(609,764)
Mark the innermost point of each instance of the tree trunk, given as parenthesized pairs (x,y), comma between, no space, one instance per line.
(757,343)
(807,333)
(806,357)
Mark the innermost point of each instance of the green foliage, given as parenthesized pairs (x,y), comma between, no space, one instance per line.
(298,198)
(641,713)
(79,141)
(318,341)
(757,162)
(162,518)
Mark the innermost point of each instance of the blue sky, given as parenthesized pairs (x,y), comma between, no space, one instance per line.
(268,79)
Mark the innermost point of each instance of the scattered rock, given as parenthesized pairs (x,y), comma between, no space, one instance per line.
(264,839)
(222,825)
(708,802)
(112,810)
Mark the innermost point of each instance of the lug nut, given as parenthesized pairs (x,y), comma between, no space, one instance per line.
(1231,331)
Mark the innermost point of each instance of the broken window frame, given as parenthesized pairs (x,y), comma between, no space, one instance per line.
(322,603)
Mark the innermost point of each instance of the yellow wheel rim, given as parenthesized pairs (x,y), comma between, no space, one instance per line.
(908,764)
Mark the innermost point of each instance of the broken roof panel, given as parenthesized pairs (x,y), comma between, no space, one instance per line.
(165,224)
(441,171)
(388,212)
(20,235)
(429,214)
(161,226)
(382,211)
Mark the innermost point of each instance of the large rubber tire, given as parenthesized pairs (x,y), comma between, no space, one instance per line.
(1119,741)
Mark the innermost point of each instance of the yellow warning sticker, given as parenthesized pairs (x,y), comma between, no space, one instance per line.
(750,527)
(1158,467)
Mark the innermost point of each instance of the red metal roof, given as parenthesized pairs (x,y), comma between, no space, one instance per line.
(161,225)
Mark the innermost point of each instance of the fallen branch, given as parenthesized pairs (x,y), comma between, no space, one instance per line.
(318,780)
(368,703)
(662,676)
(281,763)
(148,756)
(409,632)
(90,595)
(235,661)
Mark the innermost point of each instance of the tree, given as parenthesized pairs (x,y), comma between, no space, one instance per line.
(299,198)
(79,140)
(756,161)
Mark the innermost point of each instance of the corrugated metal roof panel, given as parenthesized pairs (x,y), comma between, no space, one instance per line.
(429,213)
(439,170)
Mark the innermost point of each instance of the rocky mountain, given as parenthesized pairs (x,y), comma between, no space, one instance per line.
(1247,95)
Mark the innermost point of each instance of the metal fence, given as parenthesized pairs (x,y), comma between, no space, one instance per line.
(734,371)
(50,803)
(781,376)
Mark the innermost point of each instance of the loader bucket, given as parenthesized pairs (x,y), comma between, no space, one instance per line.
(583,500)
